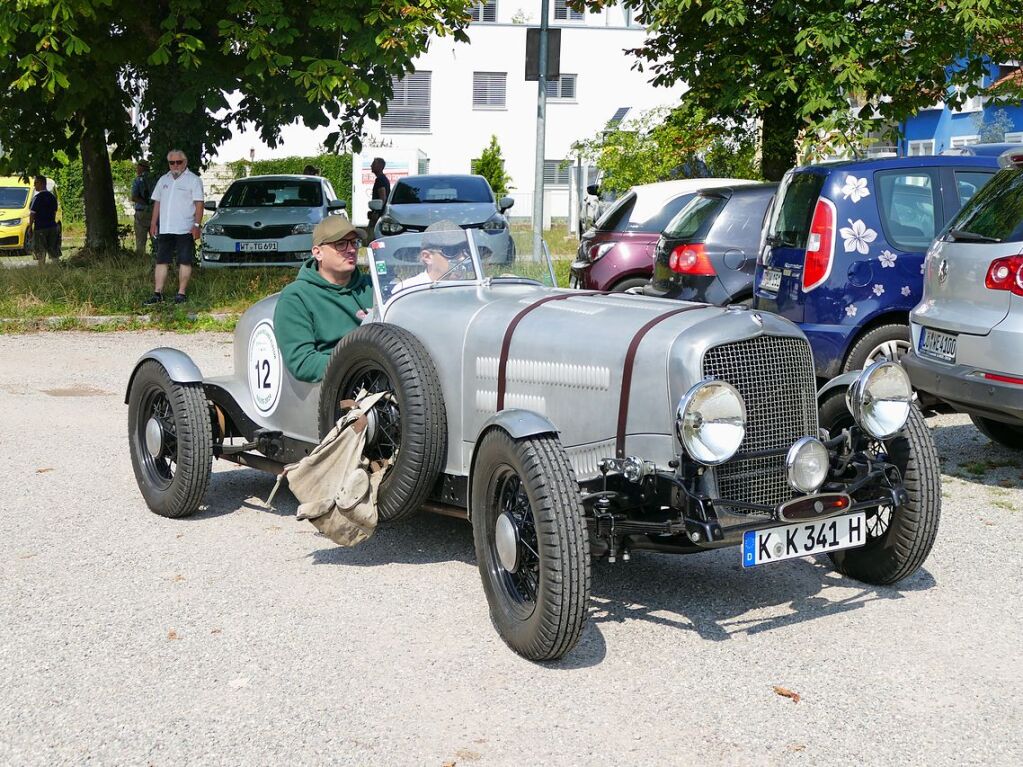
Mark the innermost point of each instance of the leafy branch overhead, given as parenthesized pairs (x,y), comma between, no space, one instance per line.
(791,64)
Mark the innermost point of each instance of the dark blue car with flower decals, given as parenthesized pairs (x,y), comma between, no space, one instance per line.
(844,246)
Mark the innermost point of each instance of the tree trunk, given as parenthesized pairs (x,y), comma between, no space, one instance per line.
(779,128)
(98,191)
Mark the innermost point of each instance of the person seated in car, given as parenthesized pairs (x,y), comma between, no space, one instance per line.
(328,299)
(444,246)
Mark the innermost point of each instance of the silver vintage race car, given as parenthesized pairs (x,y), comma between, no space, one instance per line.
(565,426)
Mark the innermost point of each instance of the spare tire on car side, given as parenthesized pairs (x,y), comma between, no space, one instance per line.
(410,426)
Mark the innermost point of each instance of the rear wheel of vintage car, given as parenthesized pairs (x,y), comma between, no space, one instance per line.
(900,538)
(408,427)
(531,543)
(170,438)
(1004,434)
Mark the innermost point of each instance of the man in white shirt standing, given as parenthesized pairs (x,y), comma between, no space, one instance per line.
(177,217)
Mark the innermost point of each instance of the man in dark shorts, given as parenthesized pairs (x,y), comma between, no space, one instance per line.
(43,223)
(381,189)
(177,218)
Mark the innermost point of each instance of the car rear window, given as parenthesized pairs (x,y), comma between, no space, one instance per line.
(969,182)
(997,209)
(792,216)
(696,218)
(13,196)
(441,189)
(907,200)
(273,193)
(625,216)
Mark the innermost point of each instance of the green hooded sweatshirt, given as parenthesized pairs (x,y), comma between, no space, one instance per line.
(312,315)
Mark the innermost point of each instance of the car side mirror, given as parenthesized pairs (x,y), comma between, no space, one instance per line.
(209,205)
(337,205)
(505,202)
(593,189)
(376,205)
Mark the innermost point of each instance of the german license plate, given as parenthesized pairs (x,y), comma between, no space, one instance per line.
(760,547)
(256,246)
(940,346)
(771,280)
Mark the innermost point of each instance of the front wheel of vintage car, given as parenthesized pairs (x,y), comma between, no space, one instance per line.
(407,427)
(898,538)
(170,438)
(531,543)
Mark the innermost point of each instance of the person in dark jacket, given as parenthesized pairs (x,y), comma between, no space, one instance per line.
(329,299)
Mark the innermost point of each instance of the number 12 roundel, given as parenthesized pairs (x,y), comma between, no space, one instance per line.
(264,368)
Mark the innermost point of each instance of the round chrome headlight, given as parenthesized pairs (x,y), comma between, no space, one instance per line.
(880,399)
(711,422)
(806,465)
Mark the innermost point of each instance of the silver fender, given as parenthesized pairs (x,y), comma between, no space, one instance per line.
(843,381)
(519,424)
(179,367)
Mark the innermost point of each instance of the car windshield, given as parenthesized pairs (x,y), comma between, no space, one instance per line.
(273,193)
(13,196)
(422,260)
(441,189)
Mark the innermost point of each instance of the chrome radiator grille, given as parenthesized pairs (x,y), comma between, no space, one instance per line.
(775,377)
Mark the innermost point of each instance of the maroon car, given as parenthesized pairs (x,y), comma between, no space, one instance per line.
(618,252)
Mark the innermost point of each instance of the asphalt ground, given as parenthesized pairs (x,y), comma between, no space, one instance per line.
(240,636)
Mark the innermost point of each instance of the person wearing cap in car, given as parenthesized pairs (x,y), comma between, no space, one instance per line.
(329,298)
(444,244)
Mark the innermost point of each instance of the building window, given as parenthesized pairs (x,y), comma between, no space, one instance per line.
(972,104)
(488,90)
(563,88)
(556,173)
(1014,138)
(563,13)
(961,141)
(917,148)
(408,111)
(485,11)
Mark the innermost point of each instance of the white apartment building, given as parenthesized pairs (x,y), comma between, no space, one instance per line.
(461,94)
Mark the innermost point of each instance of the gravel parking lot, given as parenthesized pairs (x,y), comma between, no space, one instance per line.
(240,636)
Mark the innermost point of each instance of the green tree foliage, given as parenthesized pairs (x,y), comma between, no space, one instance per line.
(665,144)
(790,65)
(490,165)
(73,71)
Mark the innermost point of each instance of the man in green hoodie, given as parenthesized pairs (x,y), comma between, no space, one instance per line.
(329,298)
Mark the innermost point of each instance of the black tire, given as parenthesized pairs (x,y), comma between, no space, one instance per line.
(173,480)
(631,282)
(1005,434)
(899,539)
(539,606)
(883,340)
(413,423)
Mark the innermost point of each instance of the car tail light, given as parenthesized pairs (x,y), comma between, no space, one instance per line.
(691,259)
(1006,274)
(1003,379)
(820,245)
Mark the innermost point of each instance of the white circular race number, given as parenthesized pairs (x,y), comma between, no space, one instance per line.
(264,367)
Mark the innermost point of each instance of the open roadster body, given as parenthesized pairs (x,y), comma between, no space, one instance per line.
(567,426)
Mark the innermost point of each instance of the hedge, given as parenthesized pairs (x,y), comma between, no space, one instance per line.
(68,178)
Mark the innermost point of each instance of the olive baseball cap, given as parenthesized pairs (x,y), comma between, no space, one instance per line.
(334,228)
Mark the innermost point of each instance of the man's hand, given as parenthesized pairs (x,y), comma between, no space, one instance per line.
(196,232)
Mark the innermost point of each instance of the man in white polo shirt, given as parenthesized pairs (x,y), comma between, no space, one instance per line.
(177,217)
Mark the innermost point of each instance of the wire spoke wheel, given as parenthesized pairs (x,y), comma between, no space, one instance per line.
(170,437)
(384,439)
(531,542)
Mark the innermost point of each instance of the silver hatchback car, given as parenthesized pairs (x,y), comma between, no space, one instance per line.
(968,329)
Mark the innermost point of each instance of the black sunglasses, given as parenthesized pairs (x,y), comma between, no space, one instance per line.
(175,162)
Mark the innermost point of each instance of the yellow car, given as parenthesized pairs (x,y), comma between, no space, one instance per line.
(15,199)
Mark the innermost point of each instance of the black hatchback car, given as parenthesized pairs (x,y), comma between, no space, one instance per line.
(708,251)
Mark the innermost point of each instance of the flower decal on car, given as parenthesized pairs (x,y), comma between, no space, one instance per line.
(855,189)
(905,290)
(878,290)
(850,311)
(887,259)
(857,236)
